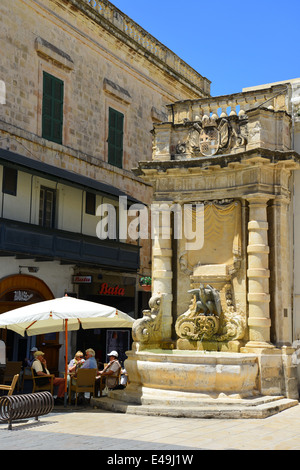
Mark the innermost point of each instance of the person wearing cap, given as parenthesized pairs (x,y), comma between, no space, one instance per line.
(111,370)
(28,361)
(39,367)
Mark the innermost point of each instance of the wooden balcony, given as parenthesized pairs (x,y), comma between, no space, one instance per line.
(32,241)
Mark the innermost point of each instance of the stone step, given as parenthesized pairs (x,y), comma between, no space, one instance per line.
(188,399)
(266,406)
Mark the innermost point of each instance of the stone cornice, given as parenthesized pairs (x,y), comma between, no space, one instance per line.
(289,159)
(126,30)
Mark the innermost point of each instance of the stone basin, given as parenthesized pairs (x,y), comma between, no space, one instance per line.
(181,374)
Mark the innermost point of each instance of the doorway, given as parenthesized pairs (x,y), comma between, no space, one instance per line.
(17,291)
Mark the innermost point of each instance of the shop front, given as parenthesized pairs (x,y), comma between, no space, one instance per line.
(17,291)
(120,290)
(108,288)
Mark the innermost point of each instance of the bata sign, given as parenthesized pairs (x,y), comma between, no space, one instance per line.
(105,289)
(82,279)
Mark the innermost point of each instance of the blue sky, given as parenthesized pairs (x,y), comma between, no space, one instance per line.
(234,43)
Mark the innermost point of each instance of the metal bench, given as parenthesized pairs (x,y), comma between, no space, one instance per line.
(17,407)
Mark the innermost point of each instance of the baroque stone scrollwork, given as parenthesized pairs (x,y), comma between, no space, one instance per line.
(147,329)
(206,320)
(233,326)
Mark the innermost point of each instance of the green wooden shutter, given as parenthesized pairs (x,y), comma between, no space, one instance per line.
(52,113)
(115,138)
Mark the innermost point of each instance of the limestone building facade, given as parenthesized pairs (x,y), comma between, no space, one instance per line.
(80,87)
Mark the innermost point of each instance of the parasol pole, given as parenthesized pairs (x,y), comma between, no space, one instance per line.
(66,363)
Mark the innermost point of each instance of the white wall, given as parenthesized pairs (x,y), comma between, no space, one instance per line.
(70,204)
(17,207)
(58,277)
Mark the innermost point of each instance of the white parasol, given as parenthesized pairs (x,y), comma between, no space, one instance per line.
(63,314)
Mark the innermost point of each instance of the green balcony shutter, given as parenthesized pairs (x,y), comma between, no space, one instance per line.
(52,113)
(115,138)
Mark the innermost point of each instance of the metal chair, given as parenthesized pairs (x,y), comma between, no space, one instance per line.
(10,388)
(83,382)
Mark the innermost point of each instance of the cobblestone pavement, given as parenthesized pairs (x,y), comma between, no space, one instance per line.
(91,429)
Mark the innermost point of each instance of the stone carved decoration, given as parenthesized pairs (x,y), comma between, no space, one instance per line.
(234,322)
(211,136)
(196,327)
(207,300)
(147,329)
(206,320)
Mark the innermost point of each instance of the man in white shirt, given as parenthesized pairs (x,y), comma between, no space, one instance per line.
(39,366)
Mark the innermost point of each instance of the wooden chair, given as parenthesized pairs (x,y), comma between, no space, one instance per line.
(102,380)
(10,388)
(12,368)
(38,385)
(83,382)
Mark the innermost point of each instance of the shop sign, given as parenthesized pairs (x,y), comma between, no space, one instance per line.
(22,296)
(79,279)
(105,289)
(19,295)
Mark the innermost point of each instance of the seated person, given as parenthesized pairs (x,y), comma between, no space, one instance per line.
(90,362)
(111,370)
(28,361)
(76,362)
(39,367)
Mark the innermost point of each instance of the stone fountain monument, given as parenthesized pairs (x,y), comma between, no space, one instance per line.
(214,342)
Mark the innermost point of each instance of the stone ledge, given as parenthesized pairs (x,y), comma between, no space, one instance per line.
(218,409)
(50,52)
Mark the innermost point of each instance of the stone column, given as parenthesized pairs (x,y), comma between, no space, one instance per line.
(162,273)
(258,273)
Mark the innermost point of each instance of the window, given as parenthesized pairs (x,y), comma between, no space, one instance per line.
(115,138)
(47,207)
(52,112)
(9,181)
(90,203)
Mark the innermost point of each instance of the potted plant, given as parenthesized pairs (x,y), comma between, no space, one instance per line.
(145,283)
